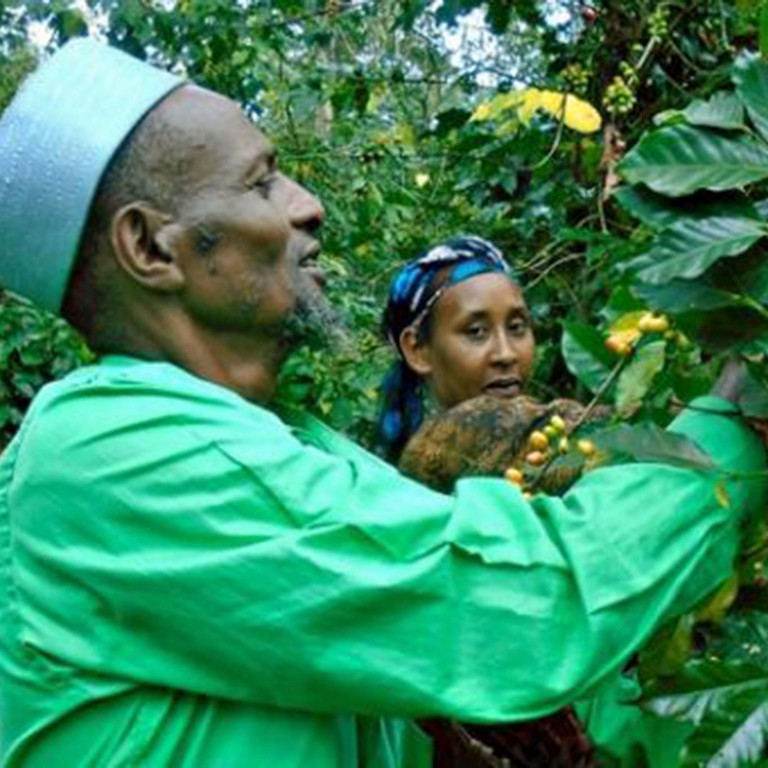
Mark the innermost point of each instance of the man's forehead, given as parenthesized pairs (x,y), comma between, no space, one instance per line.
(208,119)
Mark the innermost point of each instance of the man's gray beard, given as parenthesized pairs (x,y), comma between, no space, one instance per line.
(314,322)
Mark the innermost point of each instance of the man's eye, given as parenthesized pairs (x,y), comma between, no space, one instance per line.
(263,185)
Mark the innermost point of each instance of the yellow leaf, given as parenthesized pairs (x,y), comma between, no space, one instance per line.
(530,101)
(483,111)
(577,114)
(581,116)
(717,605)
(552,102)
(491,109)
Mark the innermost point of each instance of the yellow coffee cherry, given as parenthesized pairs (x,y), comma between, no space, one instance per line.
(650,323)
(536,458)
(586,447)
(514,475)
(550,431)
(557,423)
(538,441)
(618,346)
(563,445)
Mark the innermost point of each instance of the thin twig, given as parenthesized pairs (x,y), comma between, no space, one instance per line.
(552,267)
(558,138)
(604,387)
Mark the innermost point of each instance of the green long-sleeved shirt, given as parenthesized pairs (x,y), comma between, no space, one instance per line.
(187,580)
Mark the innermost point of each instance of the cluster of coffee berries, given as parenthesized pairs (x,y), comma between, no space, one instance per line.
(623,342)
(658,22)
(619,98)
(629,73)
(541,445)
(576,78)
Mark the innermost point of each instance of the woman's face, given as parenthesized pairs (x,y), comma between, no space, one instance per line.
(481,341)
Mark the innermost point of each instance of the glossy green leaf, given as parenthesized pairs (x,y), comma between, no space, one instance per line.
(679,296)
(750,74)
(585,354)
(688,248)
(723,110)
(681,159)
(648,442)
(743,637)
(636,379)
(728,704)
(658,211)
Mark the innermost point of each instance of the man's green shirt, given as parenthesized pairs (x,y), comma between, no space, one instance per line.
(188,580)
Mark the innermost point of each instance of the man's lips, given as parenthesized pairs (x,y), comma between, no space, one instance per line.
(503,387)
(308,263)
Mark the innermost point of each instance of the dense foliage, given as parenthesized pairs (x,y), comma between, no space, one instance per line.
(407,142)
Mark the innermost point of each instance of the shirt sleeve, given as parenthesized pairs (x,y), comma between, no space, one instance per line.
(206,548)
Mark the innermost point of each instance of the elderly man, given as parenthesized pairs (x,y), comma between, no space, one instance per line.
(189,579)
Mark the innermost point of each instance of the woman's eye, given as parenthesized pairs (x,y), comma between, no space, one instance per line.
(475,332)
(518,327)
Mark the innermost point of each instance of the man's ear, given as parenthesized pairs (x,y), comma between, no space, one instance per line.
(415,352)
(147,245)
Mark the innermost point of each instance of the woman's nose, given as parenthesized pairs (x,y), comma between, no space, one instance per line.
(503,350)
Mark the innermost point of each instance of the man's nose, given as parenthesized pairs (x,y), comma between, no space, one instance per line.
(305,211)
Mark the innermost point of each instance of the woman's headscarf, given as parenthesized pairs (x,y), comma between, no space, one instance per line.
(413,293)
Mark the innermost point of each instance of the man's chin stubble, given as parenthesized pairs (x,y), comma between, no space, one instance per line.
(314,322)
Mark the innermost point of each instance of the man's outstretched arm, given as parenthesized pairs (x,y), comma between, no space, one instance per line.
(206,547)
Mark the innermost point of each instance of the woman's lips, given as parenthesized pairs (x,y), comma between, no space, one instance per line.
(503,388)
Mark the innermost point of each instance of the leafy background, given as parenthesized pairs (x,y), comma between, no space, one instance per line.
(407,141)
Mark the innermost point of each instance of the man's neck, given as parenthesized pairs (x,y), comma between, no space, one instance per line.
(248,364)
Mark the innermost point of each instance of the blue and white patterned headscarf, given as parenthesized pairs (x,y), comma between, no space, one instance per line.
(412,295)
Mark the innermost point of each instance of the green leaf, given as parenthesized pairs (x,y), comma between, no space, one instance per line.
(688,248)
(648,442)
(658,211)
(636,379)
(750,74)
(620,302)
(585,354)
(743,637)
(681,159)
(679,296)
(763,32)
(728,704)
(723,110)
(668,650)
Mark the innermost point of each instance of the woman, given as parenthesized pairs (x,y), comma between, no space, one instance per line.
(461,327)
(460,324)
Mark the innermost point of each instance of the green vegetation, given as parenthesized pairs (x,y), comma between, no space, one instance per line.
(662,209)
